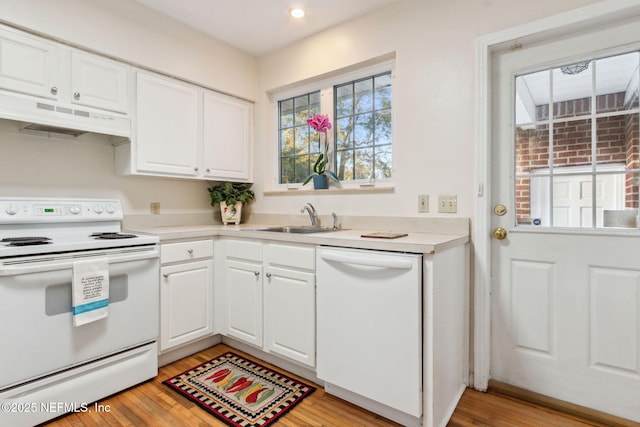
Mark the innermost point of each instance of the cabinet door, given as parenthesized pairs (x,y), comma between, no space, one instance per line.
(243,300)
(99,82)
(28,64)
(167,127)
(227,134)
(290,317)
(186,303)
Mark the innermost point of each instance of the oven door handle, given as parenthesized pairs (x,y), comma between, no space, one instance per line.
(45,264)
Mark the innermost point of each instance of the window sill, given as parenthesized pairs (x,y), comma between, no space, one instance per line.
(332,191)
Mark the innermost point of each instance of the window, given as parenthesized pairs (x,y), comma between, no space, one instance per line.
(299,144)
(577,144)
(360,111)
(363,128)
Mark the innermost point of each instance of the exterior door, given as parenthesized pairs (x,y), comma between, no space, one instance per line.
(565,293)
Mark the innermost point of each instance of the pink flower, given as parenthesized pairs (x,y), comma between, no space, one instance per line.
(320,122)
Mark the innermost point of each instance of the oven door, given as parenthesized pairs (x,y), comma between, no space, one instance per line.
(37,332)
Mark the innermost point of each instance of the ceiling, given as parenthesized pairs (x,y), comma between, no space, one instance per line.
(262,26)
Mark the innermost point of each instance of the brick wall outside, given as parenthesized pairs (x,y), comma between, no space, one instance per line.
(617,138)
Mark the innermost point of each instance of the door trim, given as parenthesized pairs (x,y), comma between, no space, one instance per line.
(545,29)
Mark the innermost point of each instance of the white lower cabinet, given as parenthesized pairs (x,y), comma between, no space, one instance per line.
(186,292)
(267,296)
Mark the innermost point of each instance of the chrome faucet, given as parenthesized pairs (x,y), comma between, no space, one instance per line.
(313,215)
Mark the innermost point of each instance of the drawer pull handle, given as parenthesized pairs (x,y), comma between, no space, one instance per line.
(190,251)
(256,273)
(165,275)
(268,275)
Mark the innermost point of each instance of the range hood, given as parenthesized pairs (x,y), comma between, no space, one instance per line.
(51,116)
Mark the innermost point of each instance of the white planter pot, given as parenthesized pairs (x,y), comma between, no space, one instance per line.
(230,214)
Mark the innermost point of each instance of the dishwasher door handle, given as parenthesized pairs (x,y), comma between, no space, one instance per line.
(369,261)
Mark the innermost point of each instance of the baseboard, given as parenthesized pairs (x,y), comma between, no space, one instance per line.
(498,387)
(187,350)
(373,406)
(279,361)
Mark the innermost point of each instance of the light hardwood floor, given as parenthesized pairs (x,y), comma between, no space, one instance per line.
(154,404)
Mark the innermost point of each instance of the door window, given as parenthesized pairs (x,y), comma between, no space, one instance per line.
(577,156)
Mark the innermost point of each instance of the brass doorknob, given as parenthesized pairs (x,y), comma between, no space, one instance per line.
(499,233)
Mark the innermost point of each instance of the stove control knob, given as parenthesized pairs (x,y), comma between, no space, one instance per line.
(11,210)
(75,209)
(111,209)
(98,209)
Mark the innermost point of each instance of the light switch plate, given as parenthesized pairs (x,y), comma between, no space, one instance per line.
(154,207)
(423,203)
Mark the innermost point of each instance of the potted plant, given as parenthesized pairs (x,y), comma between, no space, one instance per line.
(320,174)
(231,196)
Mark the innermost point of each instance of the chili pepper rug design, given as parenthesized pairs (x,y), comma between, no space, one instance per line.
(240,392)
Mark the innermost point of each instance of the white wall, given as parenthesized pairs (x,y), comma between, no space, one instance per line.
(434,96)
(124,29)
(434,42)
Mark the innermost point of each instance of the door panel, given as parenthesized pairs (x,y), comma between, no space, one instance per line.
(565,283)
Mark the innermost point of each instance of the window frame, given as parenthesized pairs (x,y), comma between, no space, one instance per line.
(326,87)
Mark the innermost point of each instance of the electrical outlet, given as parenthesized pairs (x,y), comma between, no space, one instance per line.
(154,207)
(423,203)
(447,203)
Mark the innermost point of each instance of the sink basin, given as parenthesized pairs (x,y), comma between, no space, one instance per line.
(294,229)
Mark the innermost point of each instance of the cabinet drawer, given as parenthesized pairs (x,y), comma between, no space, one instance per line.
(185,251)
(245,249)
(291,255)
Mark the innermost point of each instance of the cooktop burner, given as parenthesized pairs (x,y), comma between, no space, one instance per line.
(113,235)
(26,241)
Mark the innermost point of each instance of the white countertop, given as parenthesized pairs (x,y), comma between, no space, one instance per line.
(415,242)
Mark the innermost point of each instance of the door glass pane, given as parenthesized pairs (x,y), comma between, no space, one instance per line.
(617,82)
(613,142)
(532,148)
(572,143)
(572,90)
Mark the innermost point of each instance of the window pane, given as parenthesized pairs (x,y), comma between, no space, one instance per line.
(383,127)
(572,90)
(344,165)
(302,168)
(364,163)
(383,162)
(572,143)
(344,133)
(363,132)
(287,172)
(382,85)
(344,101)
(532,148)
(613,142)
(301,105)
(532,97)
(613,77)
(286,142)
(363,95)
(286,113)
(533,199)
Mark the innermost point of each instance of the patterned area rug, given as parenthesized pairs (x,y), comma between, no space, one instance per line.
(240,392)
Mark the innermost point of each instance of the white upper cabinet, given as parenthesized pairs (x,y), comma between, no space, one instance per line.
(28,64)
(227,134)
(166,134)
(186,131)
(38,67)
(99,82)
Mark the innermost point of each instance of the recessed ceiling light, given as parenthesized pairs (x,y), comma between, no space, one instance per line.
(296,12)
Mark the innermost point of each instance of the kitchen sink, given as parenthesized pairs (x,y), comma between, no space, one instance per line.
(294,229)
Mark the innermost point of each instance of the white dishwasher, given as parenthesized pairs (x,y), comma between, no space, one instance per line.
(369,325)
